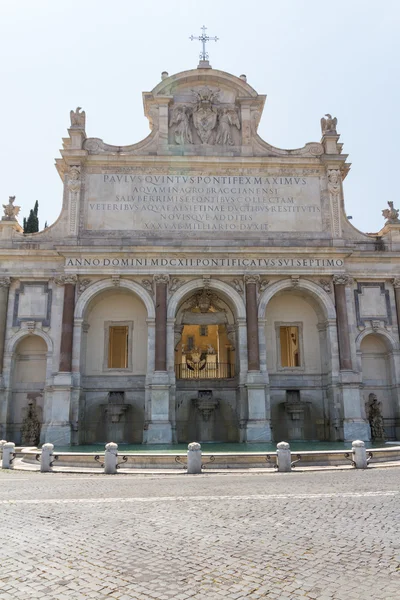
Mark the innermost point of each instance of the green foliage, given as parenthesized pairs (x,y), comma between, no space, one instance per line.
(31,224)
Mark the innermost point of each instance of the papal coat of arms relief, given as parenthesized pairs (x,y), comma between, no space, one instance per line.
(210,120)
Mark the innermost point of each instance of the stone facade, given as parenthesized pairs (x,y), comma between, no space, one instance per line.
(207,246)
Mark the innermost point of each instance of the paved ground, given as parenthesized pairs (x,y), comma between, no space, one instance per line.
(318,535)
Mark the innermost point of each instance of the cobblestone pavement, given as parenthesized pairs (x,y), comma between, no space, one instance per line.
(318,535)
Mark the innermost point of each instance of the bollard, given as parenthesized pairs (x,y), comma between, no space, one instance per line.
(110,458)
(359,454)
(194,459)
(283,457)
(2,442)
(46,458)
(8,455)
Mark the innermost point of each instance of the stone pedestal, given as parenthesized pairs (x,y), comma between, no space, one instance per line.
(355,427)
(159,429)
(258,428)
(57,427)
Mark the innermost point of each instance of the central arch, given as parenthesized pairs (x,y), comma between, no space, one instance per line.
(206,338)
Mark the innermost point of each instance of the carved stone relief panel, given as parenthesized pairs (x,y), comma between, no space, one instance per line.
(204,118)
(32,303)
(372,303)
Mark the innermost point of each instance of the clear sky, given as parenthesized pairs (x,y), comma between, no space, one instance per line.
(309,57)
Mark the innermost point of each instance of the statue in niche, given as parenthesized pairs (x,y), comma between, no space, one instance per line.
(328,125)
(226,118)
(181,118)
(205,114)
(391,214)
(375,418)
(10,211)
(31,423)
(78,118)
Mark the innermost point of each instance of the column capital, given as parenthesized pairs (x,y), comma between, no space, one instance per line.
(64,279)
(161,279)
(395,282)
(342,279)
(251,279)
(5,282)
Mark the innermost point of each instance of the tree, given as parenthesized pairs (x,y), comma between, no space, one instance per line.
(31,224)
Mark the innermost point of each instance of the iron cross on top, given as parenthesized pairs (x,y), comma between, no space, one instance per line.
(203,39)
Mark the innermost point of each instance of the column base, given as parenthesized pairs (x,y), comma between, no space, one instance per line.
(356,429)
(258,431)
(159,433)
(58,434)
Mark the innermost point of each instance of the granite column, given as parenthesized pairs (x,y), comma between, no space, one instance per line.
(342,320)
(258,411)
(159,429)
(253,351)
(67,327)
(161,282)
(4,287)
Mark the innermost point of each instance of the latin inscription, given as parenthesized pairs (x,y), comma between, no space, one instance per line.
(202,203)
(201,262)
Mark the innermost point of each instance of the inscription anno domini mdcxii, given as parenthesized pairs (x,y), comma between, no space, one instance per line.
(203,203)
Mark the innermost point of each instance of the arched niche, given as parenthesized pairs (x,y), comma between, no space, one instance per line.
(113,308)
(207,402)
(28,381)
(377,367)
(298,348)
(114,324)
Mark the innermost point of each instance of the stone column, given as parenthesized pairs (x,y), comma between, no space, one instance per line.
(57,426)
(396,285)
(161,322)
(258,413)
(340,282)
(67,328)
(253,352)
(159,429)
(4,287)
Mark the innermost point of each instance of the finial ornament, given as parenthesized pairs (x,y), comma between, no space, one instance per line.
(328,124)
(10,211)
(391,215)
(78,118)
(203,38)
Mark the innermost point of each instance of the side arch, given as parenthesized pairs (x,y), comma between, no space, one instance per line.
(390,342)
(93,290)
(321,297)
(17,337)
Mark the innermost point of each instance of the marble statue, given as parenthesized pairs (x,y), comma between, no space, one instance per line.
(328,125)
(210,349)
(11,211)
(78,118)
(375,418)
(391,214)
(181,118)
(226,118)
